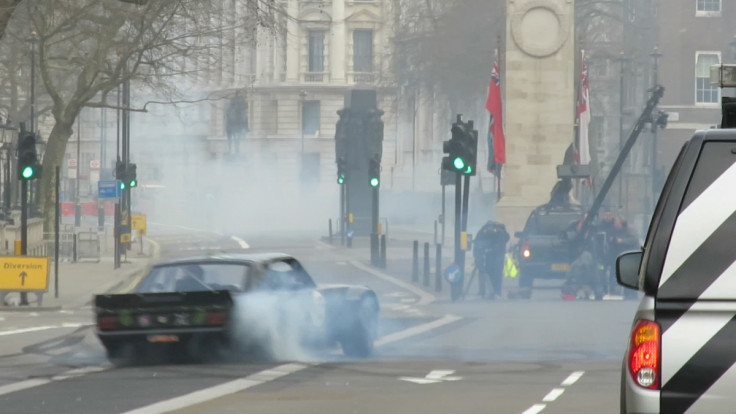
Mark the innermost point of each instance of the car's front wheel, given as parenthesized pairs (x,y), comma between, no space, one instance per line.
(357,341)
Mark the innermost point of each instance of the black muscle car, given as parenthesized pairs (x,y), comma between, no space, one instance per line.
(227,304)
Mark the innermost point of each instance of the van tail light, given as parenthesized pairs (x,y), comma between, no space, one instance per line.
(644,354)
(107,323)
(216,318)
(525,252)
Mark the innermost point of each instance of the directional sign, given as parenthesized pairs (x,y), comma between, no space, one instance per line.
(108,189)
(435,376)
(453,274)
(139,223)
(21,273)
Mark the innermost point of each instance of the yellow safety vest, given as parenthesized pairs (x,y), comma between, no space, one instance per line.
(509,267)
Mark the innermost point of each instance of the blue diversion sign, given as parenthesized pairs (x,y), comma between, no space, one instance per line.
(109,189)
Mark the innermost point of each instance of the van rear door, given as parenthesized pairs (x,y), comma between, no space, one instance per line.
(695,301)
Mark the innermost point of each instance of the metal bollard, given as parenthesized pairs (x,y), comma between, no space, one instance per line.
(74,249)
(330,229)
(415,263)
(435,232)
(426,264)
(438,270)
(383,251)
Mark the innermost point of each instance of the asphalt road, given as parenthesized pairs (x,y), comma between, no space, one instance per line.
(543,355)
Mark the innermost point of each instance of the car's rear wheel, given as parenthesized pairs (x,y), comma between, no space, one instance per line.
(358,340)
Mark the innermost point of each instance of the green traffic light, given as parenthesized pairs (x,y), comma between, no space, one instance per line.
(133,183)
(375,182)
(468,170)
(122,185)
(341,179)
(458,163)
(28,172)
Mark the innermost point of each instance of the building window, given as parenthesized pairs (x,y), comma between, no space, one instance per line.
(708,5)
(316,51)
(704,91)
(363,51)
(310,117)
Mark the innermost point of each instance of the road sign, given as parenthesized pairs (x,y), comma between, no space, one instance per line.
(139,223)
(23,273)
(94,164)
(453,274)
(71,163)
(108,189)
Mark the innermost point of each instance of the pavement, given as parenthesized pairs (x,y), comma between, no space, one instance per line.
(77,283)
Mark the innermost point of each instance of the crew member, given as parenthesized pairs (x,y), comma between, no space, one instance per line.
(489,249)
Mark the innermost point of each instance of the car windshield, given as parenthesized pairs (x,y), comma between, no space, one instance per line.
(192,277)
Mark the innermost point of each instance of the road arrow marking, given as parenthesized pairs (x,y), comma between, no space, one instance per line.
(433,377)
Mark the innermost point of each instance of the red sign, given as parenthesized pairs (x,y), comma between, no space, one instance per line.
(72,163)
(94,164)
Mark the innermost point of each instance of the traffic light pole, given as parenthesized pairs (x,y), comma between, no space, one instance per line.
(23,229)
(374,225)
(456,288)
(342,213)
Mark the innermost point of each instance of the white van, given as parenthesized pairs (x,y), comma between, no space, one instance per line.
(682,349)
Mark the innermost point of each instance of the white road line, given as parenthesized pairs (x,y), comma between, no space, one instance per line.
(534,409)
(573,378)
(37,382)
(553,394)
(241,242)
(43,328)
(218,391)
(424,297)
(416,330)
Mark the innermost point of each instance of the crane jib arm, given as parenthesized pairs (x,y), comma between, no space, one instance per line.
(645,117)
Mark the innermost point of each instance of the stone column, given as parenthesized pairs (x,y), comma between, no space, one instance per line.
(293,41)
(337,42)
(539,102)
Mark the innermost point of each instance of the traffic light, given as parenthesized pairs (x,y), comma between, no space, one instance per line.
(374,172)
(471,149)
(132,175)
(456,159)
(28,166)
(341,173)
(127,175)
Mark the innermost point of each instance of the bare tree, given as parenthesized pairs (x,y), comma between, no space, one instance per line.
(88,48)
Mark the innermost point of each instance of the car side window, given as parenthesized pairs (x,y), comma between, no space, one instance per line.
(285,275)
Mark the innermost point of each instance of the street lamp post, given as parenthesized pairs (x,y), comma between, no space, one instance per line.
(622,60)
(655,60)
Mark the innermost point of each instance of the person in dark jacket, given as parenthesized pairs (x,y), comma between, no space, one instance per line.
(489,249)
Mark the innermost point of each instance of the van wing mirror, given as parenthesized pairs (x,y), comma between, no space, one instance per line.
(518,234)
(627,269)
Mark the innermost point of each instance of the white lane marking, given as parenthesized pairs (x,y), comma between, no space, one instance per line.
(434,376)
(534,409)
(424,297)
(218,391)
(241,242)
(22,385)
(43,328)
(33,314)
(324,246)
(416,330)
(77,372)
(553,394)
(37,382)
(572,378)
